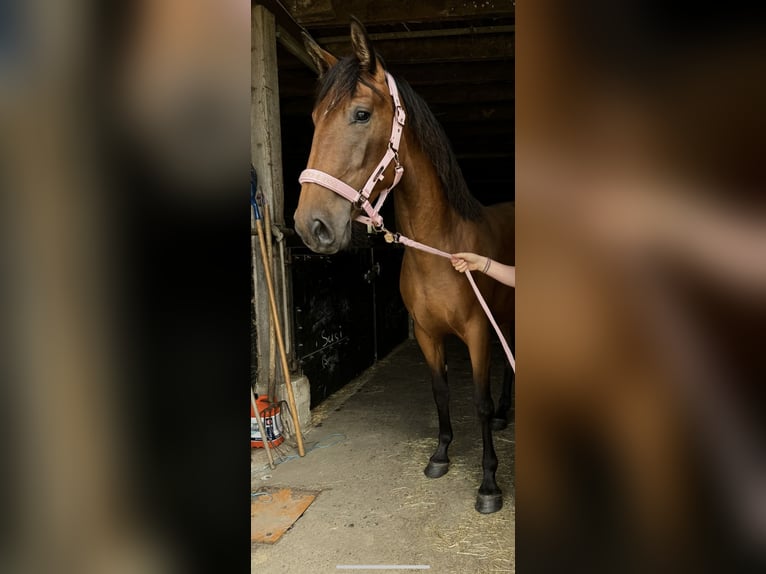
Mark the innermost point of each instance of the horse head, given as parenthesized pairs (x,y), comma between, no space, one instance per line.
(352,116)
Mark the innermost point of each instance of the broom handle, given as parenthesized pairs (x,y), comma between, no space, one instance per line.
(261,429)
(269,261)
(280,342)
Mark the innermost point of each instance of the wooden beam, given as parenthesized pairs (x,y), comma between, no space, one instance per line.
(327,13)
(418,34)
(266,140)
(282,17)
(487,47)
(296,48)
(266,157)
(312,10)
(289,32)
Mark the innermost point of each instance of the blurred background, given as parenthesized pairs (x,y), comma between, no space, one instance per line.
(641,294)
(125,285)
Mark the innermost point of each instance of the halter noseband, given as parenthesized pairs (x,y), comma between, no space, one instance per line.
(361,198)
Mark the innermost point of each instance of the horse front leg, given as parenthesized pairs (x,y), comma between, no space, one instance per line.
(490,497)
(433,350)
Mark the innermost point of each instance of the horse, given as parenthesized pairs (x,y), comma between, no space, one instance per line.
(356,105)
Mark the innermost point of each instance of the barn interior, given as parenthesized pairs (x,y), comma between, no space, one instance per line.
(348,336)
(459,57)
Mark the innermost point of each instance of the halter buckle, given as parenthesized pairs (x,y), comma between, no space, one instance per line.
(360,201)
(401,116)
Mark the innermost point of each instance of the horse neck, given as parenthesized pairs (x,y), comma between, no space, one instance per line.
(422,210)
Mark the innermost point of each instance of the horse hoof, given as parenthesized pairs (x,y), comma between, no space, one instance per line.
(499,424)
(436,469)
(489,503)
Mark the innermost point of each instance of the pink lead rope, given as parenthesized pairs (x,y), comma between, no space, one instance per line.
(399,238)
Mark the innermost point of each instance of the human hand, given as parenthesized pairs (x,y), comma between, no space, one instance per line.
(468,262)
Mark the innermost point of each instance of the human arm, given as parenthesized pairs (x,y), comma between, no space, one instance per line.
(463,262)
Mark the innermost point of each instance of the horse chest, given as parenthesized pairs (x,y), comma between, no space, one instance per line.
(436,305)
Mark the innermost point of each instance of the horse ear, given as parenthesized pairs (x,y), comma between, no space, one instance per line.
(362,45)
(322,58)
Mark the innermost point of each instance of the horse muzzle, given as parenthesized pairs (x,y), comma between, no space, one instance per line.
(321,234)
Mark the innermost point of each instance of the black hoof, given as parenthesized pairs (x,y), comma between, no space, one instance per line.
(499,424)
(489,503)
(436,469)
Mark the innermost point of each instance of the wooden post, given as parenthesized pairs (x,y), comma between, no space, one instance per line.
(266,136)
(266,155)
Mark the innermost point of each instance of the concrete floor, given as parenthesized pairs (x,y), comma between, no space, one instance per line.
(374,438)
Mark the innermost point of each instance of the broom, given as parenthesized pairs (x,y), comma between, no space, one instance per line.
(275,319)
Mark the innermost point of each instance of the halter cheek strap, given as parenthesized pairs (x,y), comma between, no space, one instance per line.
(361,198)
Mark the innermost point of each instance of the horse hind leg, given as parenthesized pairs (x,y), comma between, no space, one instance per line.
(500,419)
(433,350)
(506,404)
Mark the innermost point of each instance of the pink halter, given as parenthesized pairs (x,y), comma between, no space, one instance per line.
(361,198)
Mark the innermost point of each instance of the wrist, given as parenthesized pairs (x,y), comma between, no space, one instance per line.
(487,265)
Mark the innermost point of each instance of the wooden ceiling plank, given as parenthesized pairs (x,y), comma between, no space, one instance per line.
(319,13)
(419,34)
(436,50)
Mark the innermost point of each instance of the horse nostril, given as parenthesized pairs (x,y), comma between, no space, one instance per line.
(322,233)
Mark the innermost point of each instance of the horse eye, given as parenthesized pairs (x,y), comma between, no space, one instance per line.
(362,116)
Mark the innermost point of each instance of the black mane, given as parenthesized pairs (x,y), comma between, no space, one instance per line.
(340,82)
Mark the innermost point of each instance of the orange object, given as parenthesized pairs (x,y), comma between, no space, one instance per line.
(275,510)
(272,422)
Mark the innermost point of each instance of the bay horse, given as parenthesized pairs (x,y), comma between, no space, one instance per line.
(355,108)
